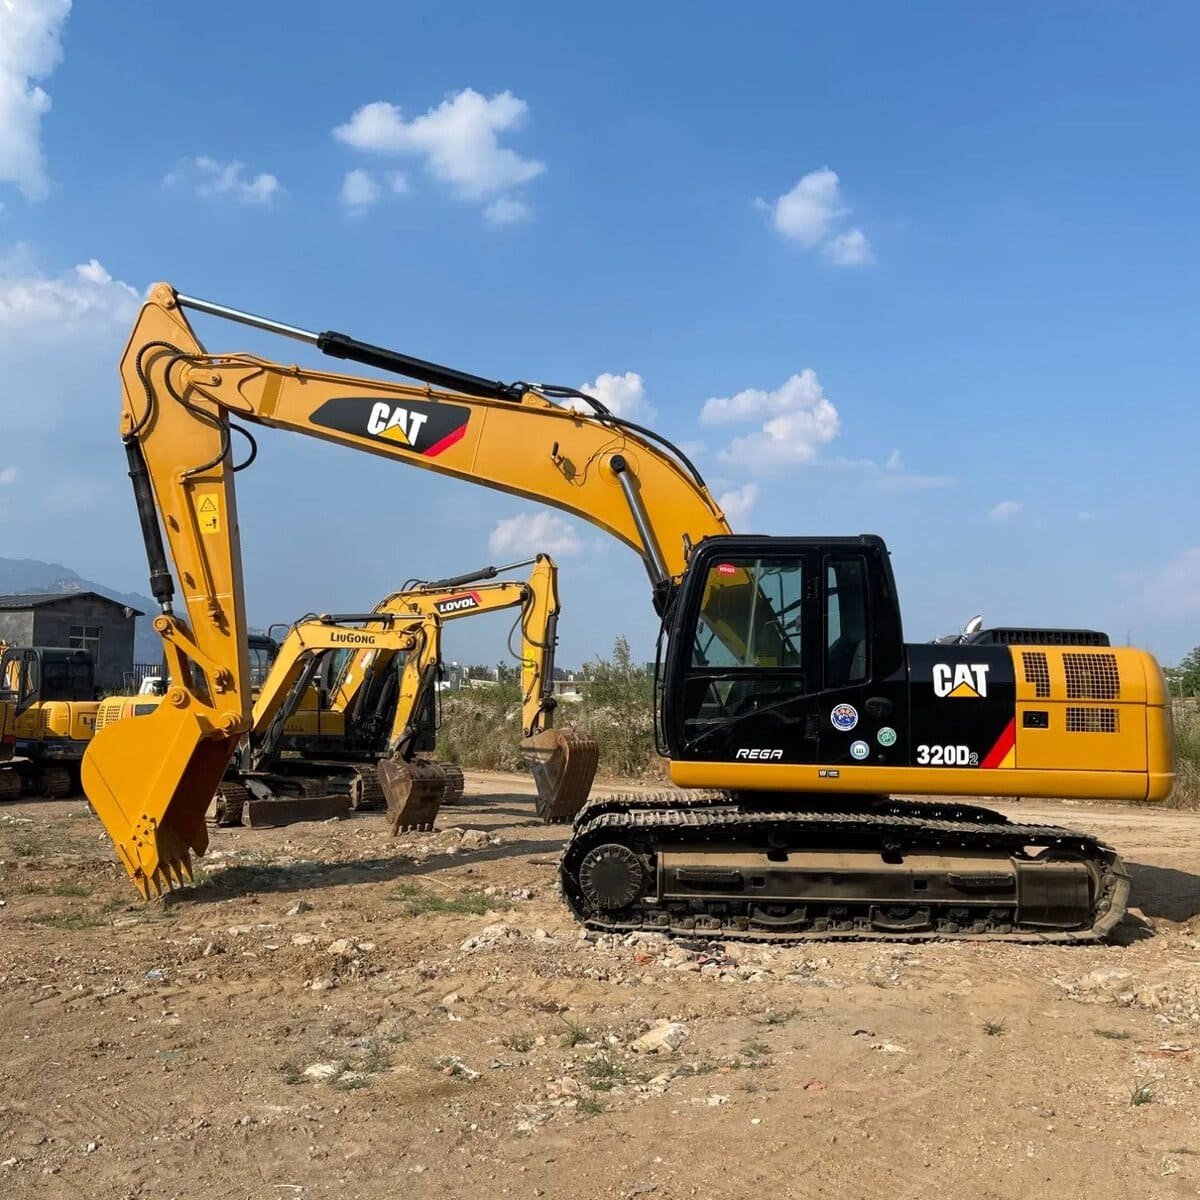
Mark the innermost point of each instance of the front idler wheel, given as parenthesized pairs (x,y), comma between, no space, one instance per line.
(611,877)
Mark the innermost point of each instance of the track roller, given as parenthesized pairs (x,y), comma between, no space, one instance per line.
(55,783)
(230,803)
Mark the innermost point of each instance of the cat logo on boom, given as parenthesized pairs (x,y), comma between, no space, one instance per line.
(396,424)
(425,427)
(958,680)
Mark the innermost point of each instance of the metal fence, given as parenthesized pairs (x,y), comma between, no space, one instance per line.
(131,680)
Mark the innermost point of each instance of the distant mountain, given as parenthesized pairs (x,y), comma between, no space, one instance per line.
(33,575)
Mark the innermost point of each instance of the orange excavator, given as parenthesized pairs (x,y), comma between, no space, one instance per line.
(787,696)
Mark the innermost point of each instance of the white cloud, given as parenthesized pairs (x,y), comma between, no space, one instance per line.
(362,190)
(789,440)
(894,462)
(359,191)
(809,215)
(458,140)
(534,533)
(736,504)
(9,475)
(504,210)
(799,420)
(30,48)
(1005,510)
(625,395)
(210,177)
(799,391)
(850,249)
(1172,590)
(806,213)
(44,308)
(1085,516)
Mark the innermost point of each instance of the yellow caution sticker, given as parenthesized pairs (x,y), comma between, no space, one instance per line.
(208,509)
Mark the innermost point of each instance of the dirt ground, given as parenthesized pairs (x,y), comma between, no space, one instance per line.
(331,1013)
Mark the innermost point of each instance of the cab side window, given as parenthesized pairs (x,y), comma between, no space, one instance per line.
(847,647)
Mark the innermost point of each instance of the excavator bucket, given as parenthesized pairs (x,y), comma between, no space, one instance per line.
(413,791)
(150,781)
(563,763)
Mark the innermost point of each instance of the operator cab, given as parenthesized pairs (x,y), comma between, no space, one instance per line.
(29,675)
(774,642)
(263,649)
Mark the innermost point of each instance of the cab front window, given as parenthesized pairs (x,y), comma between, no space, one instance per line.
(750,615)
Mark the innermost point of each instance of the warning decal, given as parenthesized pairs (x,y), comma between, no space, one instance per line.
(208,510)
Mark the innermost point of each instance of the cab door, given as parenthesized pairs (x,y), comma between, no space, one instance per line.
(863,699)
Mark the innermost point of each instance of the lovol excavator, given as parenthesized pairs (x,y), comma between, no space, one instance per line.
(783,676)
(365,695)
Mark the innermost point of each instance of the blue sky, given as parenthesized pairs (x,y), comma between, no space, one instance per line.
(924,270)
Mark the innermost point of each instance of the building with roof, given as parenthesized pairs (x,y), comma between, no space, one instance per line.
(74,621)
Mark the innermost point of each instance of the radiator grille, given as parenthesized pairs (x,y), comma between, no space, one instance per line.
(1092,676)
(1093,720)
(1037,672)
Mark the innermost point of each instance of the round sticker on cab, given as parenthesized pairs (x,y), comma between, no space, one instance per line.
(887,736)
(859,750)
(726,569)
(844,717)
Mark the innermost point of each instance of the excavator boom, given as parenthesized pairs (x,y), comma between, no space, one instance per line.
(151,780)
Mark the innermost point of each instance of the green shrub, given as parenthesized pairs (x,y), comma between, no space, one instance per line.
(1187,755)
(481,727)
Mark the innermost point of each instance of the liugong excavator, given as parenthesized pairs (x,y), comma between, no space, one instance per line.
(783,678)
(275,788)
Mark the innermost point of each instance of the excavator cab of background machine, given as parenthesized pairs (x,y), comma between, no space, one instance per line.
(41,673)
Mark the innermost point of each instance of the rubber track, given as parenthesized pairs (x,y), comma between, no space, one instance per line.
(718,820)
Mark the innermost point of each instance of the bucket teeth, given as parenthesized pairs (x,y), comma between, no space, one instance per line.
(563,763)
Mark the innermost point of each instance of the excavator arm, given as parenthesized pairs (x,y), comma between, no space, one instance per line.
(150,780)
(468,596)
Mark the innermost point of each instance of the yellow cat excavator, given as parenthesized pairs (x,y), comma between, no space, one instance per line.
(784,681)
(363,717)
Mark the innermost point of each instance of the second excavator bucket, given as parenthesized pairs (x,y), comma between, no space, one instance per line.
(150,780)
(563,763)
(413,791)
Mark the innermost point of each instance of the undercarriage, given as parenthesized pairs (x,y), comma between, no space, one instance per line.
(781,867)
